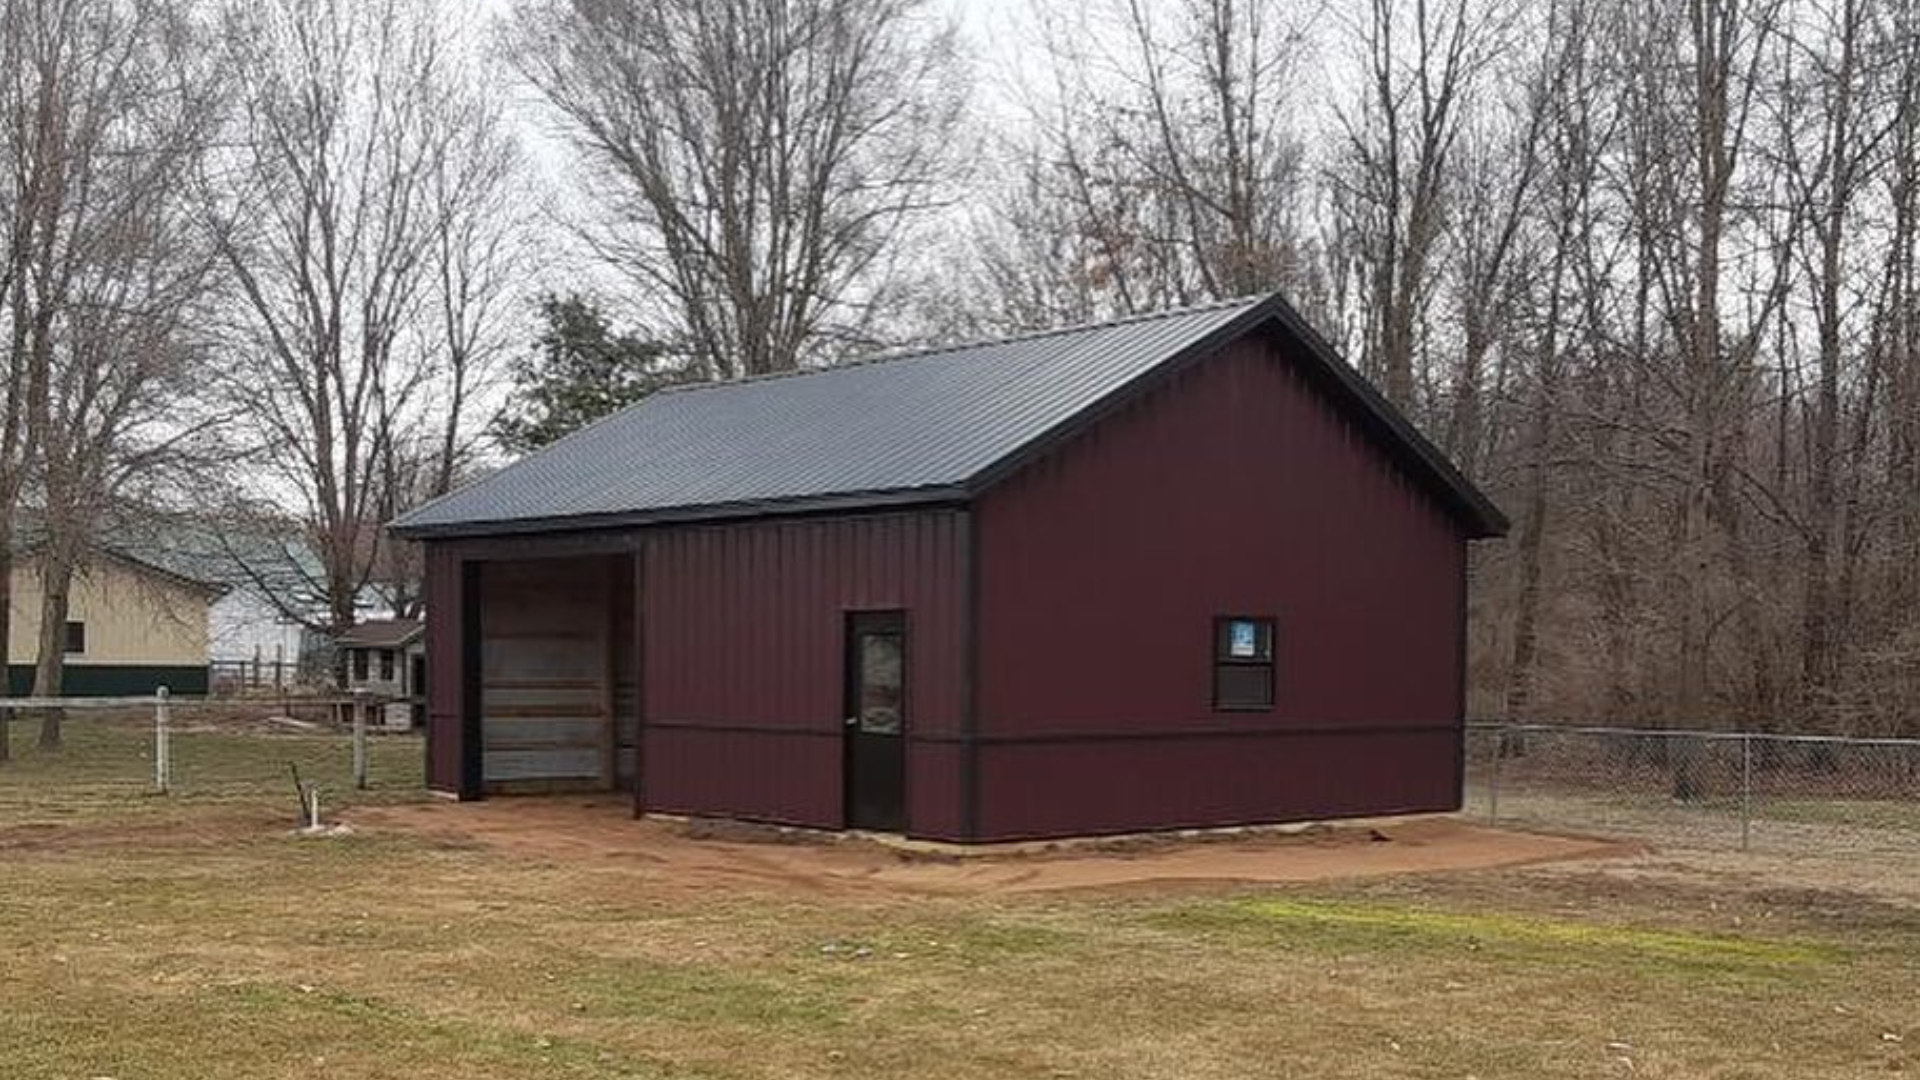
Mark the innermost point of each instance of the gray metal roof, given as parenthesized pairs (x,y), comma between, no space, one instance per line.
(917,427)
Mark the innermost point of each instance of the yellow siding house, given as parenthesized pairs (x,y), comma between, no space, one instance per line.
(131,627)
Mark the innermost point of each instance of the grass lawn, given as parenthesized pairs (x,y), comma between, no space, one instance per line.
(221,754)
(192,937)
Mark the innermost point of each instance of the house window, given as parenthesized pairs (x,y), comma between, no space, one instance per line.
(386,665)
(76,638)
(1242,663)
(359,665)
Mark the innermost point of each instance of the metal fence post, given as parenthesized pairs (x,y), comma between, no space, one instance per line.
(1746,788)
(162,744)
(1499,735)
(359,745)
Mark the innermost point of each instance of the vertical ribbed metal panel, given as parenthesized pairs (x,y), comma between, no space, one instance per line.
(626,670)
(1239,488)
(744,673)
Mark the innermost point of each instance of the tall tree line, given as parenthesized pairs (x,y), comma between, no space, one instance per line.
(1647,271)
(256,262)
(105,112)
(365,213)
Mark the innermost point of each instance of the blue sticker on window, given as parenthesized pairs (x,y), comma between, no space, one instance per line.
(1243,639)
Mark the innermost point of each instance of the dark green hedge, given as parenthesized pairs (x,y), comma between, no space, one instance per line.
(115,680)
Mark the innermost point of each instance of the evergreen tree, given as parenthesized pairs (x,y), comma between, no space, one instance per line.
(580,370)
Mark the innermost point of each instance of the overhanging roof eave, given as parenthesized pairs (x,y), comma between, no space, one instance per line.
(847,502)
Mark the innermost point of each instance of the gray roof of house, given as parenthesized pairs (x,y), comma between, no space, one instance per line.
(937,425)
(379,634)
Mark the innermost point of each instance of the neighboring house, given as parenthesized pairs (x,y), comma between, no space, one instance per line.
(131,627)
(1184,569)
(250,634)
(274,594)
(259,630)
(385,659)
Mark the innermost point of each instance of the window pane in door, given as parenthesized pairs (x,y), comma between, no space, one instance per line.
(882,684)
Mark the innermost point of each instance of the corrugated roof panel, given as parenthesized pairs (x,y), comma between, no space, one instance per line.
(931,420)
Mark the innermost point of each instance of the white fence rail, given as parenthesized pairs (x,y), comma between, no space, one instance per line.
(225,746)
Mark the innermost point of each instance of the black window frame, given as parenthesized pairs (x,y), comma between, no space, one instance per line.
(361,664)
(1262,662)
(386,665)
(76,637)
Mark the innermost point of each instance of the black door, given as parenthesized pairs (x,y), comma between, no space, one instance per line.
(876,721)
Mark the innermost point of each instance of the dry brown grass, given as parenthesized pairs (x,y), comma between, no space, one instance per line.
(206,943)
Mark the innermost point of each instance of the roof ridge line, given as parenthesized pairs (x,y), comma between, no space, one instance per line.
(961,346)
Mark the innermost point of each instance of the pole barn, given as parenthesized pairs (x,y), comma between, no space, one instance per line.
(1183,569)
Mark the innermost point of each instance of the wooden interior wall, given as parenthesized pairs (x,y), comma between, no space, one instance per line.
(548,680)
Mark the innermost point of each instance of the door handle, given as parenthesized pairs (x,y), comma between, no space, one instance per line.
(853,721)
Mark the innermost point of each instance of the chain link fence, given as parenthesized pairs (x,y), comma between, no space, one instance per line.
(113,751)
(1785,794)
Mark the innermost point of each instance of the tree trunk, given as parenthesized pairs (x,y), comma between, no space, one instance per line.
(6,627)
(1762,690)
(1463,428)
(1817,621)
(1533,522)
(49,669)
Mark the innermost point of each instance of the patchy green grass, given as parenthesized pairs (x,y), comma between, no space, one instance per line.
(1903,814)
(209,944)
(1390,927)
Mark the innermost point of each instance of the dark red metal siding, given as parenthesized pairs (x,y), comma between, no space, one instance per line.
(445,670)
(745,627)
(1237,488)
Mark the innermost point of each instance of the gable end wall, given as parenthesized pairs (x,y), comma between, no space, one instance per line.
(1236,488)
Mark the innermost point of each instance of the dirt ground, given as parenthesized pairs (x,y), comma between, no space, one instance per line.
(702,855)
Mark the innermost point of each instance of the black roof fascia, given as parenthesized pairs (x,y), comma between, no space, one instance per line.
(838,503)
(1469,502)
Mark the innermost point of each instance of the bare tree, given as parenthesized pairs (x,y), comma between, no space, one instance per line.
(105,110)
(481,248)
(1164,163)
(1896,329)
(1495,177)
(1559,141)
(353,217)
(758,159)
(21,100)
(1647,270)
(1721,48)
(1420,70)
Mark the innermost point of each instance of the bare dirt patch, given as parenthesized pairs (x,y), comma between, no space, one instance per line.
(700,856)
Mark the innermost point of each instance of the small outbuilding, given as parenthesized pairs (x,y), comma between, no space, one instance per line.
(1184,569)
(383,662)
